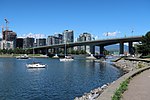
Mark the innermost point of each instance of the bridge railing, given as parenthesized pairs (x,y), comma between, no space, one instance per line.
(91,40)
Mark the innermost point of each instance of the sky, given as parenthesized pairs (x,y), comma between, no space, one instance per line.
(101,18)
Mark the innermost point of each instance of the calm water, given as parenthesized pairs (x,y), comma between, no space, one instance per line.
(59,81)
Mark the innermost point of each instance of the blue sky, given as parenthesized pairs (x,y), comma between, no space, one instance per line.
(117,17)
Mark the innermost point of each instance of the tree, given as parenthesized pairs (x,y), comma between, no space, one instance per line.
(144,46)
(105,52)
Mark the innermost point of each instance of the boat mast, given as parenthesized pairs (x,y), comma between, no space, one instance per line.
(33,51)
(65,48)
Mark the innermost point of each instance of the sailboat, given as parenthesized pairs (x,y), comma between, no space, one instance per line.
(67,58)
(35,64)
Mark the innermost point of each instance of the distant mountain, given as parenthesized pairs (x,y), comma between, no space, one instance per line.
(114,47)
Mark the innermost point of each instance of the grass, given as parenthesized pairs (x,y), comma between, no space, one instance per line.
(123,87)
(148,56)
(30,55)
(34,54)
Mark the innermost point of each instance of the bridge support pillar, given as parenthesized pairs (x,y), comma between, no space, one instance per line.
(45,51)
(35,51)
(131,48)
(52,51)
(121,48)
(92,49)
(101,49)
(56,50)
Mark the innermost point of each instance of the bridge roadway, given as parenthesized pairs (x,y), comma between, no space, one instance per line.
(101,43)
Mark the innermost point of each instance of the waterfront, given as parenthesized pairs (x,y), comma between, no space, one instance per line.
(59,81)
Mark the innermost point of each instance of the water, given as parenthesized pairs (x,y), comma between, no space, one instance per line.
(59,81)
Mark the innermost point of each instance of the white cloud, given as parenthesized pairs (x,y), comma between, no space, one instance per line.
(31,35)
(39,35)
(111,33)
(94,37)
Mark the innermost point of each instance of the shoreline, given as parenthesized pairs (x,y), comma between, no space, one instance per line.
(128,66)
(15,55)
(6,56)
(133,67)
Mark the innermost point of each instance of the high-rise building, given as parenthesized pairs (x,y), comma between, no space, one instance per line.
(84,37)
(51,40)
(68,36)
(19,43)
(8,39)
(28,42)
(60,37)
(9,35)
(41,42)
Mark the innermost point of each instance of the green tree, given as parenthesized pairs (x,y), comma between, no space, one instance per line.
(144,46)
(105,52)
(9,51)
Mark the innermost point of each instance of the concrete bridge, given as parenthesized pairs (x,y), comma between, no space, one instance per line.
(92,44)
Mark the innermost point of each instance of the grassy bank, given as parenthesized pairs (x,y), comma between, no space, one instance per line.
(123,87)
(6,55)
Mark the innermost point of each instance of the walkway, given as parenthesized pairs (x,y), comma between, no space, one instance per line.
(139,87)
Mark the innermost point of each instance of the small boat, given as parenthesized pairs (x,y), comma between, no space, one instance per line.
(36,65)
(67,58)
(91,57)
(25,56)
(56,56)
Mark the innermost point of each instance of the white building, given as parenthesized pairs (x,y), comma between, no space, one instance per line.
(6,44)
(68,36)
(84,37)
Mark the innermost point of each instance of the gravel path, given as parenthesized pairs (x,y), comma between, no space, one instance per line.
(139,87)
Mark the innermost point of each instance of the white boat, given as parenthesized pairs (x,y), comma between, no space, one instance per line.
(67,58)
(36,65)
(25,56)
(56,56)
(91,57)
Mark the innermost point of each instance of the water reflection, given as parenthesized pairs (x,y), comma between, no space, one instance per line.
(35,69)
(59,80)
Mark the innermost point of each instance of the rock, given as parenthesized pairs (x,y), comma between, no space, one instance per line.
(93,93)
(104,86)
(76,98)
